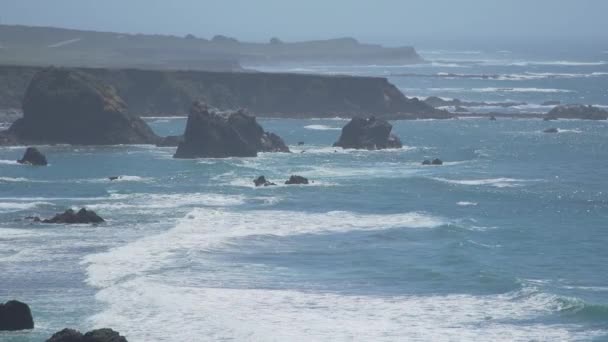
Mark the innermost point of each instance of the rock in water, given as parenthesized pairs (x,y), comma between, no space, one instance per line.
(15,315)
(551,130)
(99,335)
(70,107)
(294,180)
(261,181)
(368,134)
(211,134)
(437,161)
(83,216)
(33,157)
(577,112)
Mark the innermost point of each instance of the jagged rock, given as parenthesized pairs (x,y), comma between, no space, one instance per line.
(261,181)
(369,134)
(99,335)
(577,112)
(15,315)
(294,180)
(83,216)
(551,130)
(113,178)
(33,157)
(170,141)
(70,107)
(219,135)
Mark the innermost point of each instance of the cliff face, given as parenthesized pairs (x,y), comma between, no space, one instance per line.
(157,93)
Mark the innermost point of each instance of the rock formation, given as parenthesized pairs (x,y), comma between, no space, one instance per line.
(63,106)
(83,216)
(212,134)
(99,335)
(368,134)
(551,130)
(33,157)
(261,181)
(435,161)
(15,315)
(577,112)
(295,180)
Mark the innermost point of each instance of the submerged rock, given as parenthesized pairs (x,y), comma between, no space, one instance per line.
(577,112)
(261,181)
(368,134)
(33,157)
(551,130)
(83,216)
(492,118)
(435,161)
(63,106)
(211,134)
(99,335)
(295,180)
(15,315)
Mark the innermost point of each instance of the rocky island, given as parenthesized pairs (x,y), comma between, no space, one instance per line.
(368,134)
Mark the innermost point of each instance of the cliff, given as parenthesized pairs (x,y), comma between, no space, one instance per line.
(42,46)
(159,93)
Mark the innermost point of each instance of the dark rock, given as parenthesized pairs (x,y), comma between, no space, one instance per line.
(113,178)
(66,335)
(369,134)
(83,216)
(15,315)
(577,112)
(492,118)
(459,109)
(261,181)
(170,141)
(437,161)
(71,107)
(34,218)
(99,335)
(426,162)
(551,130)
(33,157)
(219,135)
(551,103)
(294,180)
(300,143)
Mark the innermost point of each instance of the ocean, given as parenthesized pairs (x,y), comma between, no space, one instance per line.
(504,242)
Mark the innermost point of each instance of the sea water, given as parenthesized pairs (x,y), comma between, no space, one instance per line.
(506,241)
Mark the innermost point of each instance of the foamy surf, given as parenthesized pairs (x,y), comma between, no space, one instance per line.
(323,128)
(494,182)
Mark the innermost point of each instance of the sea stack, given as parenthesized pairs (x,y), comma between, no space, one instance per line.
(211,134)
(368,134)
(99,335)
(33,157)
(64,106)
(15,315)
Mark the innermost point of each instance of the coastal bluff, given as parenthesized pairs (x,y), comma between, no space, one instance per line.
(171,93)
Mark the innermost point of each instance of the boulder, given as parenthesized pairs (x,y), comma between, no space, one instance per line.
(83,216)
(211,134)
(63,106)
(113,178)
(15,315)
(435,161)
(369,134)
(295,180)
(577,112)
(261,181)
(33,157)
(551,130)
(99,335)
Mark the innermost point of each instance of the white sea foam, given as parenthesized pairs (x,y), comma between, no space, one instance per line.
(162,201)
(489,90)
(205,229)
(125,178)
(13,179)
(18,206)
(495,182)
(323,128)
(8,162)
(140,306)
(467,204)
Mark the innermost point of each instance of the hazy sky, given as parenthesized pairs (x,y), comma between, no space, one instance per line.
(398,21)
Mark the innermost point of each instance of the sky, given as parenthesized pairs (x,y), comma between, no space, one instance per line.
(382,21)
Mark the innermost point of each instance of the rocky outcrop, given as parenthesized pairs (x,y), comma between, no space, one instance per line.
(577,112)
(368,134)
(551,130)
(296,180)
(261,181)
(435,162)
(33,157)
(63,106)
(164,92)
(15,315)
(212,134)
(70,216)
(99,335)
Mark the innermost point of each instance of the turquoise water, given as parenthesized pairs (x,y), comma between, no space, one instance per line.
(506,241)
